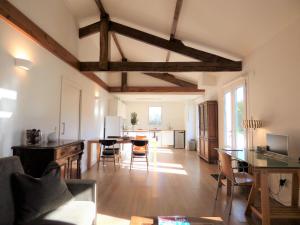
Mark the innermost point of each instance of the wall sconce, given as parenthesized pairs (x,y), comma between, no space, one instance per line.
(24,64)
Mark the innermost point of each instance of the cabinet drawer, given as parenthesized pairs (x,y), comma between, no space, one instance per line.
(67,151)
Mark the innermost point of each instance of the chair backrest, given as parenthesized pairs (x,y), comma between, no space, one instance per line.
(8,166)
(113,136)
(139,143)
(139,137)
(226,165)
(107,142)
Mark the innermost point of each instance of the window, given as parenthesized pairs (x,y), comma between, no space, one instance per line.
(227,120)
(234,114)
(154,115)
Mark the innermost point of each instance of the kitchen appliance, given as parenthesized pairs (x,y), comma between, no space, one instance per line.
(179,139)
(113,126)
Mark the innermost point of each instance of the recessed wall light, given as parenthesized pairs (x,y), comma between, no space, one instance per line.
(24,64)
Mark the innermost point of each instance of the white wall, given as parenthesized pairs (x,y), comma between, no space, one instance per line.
(54,18)
(116,107)
(190,122)
(273,73)
(38,90)
(173,114)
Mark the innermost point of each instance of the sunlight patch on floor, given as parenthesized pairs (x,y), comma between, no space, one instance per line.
(111,220)
(164,150)
(153,168)
(157,164)
(154,165)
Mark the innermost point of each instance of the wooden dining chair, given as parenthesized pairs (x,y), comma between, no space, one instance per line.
(139,149)
(235,178)
(108,151)
(140,137)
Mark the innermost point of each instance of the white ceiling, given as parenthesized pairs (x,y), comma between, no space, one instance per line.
(235,26)
(232,28)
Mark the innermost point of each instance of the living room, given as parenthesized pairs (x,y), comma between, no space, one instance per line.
(56,78)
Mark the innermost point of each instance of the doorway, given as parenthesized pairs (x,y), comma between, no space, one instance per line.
(70,110)
(234,112)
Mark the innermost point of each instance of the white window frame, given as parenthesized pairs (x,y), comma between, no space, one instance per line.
(232,87)
(161,115)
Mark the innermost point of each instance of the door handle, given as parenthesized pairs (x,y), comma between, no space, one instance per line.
(63,128)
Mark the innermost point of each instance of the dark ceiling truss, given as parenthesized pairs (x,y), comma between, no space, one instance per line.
(208,62)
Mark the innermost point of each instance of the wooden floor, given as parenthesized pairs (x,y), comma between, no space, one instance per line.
(178,183)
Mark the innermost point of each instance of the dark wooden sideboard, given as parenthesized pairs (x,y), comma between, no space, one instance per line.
(208,131)
(67,153)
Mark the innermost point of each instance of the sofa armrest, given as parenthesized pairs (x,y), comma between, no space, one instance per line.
(83,190)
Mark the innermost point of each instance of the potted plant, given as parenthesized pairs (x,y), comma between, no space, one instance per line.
(133,119)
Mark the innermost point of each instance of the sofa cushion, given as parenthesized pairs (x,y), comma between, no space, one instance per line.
(37,196)
(8,166)
(71,213)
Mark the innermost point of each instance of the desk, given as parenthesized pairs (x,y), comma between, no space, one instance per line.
(262,166)
(66,153)
(96,141)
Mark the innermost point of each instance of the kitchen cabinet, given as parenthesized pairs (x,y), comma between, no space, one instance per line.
(167,138)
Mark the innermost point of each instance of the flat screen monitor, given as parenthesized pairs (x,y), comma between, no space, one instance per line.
(277,144)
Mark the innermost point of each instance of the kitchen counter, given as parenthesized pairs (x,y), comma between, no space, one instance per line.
(164,138)
(150,130)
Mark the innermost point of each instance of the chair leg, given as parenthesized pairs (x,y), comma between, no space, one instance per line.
(131,162)
(103,161)
(115,162)
(231,198)
(147,162)
(219,185)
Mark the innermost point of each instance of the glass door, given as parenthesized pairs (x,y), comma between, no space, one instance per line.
(234,114)
(240,112)
(227,120)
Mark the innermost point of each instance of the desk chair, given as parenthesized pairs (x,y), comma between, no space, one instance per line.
(108,151)
(236,179)
(139,149)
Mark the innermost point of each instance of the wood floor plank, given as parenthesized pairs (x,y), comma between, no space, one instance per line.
(178,183)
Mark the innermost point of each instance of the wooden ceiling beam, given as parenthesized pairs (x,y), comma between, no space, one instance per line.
(174,45)
(124,75)
(174,24)
(172,79)
(124,78)
(104,36)
(176,18)
(103,13)
(92,76)
(104,43)
(114,36)
(157,89)
(22,23)
(163,66)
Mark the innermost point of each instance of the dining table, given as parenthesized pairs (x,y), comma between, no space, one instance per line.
(262,165)
(95,141)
